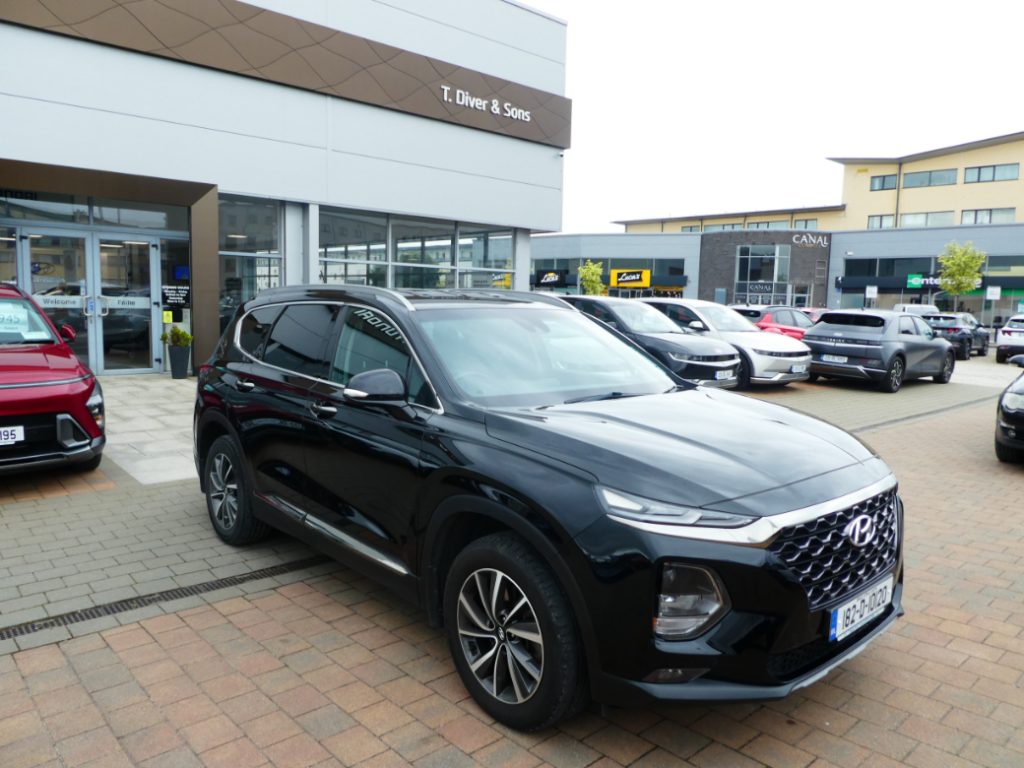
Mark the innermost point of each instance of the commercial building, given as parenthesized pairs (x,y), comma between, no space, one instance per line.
(977,183)
(163,160)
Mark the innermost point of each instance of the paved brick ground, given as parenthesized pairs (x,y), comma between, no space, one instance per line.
(330,671)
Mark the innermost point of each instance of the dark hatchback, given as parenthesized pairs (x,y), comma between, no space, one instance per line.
(1010,419)
(878,345)
(702,361)
(579,523)
(961,330)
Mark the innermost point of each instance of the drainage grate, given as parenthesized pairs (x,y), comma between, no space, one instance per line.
(130,604)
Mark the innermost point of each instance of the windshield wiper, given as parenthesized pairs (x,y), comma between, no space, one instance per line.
(602,396)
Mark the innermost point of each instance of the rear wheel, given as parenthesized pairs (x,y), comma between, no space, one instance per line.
(512,635)
(1000,356)
(963,351)
(893,376)
(944,375)
(1008,455)
(228,497)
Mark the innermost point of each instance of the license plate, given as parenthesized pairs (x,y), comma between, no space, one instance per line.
(833,359)
(799,368)
(11,435)
(859,610)
(726,374)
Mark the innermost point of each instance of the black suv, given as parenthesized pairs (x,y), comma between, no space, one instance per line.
(579,522)
(962,331)
(689,355)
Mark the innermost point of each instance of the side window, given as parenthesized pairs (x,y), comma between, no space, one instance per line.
(255,327)
(369,341)
(782,317)
(922,327)
(907,325)
(298,338)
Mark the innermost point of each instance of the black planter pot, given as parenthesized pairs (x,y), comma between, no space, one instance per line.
(179,361)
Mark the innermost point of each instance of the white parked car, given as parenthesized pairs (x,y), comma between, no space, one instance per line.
(1010,339)
(765,358)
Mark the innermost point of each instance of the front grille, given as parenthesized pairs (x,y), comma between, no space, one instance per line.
(821,557)
(780,354)
(712,358)
(40,435)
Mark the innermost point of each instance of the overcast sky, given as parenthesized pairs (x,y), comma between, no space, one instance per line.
(690,107)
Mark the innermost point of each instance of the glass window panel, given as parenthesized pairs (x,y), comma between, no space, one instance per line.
(249,225)
(778,225)
(1003,215)
(1007,172)
(917,179)
(418,241)
(970,175)
(913,219)
(983,217)
(353,273)
(473,278)
(904,267)
(242,277)
(944,177)
(43,206)
(8,256)
(298,339)
(423,277)
(353,235)
(986,173)
(861,267)
(483,248)
(255,328)
(782,270)
(940,219)
(124,213)
(967,217)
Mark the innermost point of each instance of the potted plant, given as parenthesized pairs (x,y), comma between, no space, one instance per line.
(179,345)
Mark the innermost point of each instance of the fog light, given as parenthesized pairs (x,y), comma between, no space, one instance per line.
(690,601)
(95,406)
(675,675)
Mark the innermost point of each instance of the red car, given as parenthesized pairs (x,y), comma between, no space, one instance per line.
(51,405)
(784,320)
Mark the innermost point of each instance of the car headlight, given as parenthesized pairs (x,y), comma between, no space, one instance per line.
(1013,402)
(619,504)
(679,357)
(95,405)
(690,599)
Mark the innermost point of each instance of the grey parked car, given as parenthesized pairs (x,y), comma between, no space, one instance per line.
(881,346)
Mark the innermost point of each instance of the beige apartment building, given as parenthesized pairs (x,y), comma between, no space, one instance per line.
(971,184)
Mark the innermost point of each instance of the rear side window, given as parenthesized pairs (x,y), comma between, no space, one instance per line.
(370,341)
(299,338)
(255,328)
(869,323)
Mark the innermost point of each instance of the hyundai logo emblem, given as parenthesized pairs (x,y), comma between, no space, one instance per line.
(860,531)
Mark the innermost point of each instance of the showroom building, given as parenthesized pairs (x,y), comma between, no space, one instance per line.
(165,159)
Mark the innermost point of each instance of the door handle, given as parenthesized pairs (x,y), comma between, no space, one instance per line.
(245,386)
(322,411)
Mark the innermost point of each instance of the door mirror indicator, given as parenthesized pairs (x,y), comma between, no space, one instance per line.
(379,387)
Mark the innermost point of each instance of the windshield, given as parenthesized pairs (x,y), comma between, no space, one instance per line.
(1015,322)
(941,321)
(643,318)
(871,323)
(532,356)
(21,323)
(726,319)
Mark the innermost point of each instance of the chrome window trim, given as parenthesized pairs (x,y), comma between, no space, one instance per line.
(416,357)
(760,532)
(51,383)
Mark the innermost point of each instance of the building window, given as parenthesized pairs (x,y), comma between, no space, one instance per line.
(250,250)
(861,267)
(762,274)
(1004,172)
(768,225)
(932,219)
(904,267)
(805,223)
(988,216)
(353,247)
(485,257)
(721,227)
(888,181)
(882,221)
(929,178)
(1006,266)
(690,228)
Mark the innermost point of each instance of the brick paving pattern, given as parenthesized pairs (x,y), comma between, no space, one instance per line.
(329,670)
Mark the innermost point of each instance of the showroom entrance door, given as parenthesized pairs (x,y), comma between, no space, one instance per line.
(105,287)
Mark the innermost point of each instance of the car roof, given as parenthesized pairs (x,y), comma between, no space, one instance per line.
(407,299)
(685,302)
(12,291)
(886,313)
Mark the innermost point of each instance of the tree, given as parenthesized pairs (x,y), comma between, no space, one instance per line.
(960,269)
(590,278)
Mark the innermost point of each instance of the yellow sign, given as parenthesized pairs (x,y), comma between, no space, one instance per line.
(631,278)
(168,316)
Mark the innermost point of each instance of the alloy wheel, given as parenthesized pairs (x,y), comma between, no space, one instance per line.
(223,491)
(500,636)
(896,374)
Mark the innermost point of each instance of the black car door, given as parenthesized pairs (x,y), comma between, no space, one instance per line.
(364,459)
(266,394)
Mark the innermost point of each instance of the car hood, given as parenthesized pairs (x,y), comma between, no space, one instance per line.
(698,345)
(38,363)
(769,342)
(702,447)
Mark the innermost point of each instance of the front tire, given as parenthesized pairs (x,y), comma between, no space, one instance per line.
(743,373)
(893,376)
(1000,356)
(983,352)
(228,498)
(512,634)
(944,375)
(963,351)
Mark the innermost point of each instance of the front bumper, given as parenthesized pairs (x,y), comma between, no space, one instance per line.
(45,459)
(1010,429)
(848,371)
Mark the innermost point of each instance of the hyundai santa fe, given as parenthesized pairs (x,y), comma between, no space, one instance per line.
(581,522)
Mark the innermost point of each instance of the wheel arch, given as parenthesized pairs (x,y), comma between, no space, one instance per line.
(210,426)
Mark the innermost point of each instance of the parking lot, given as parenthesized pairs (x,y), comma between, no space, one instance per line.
(129,635)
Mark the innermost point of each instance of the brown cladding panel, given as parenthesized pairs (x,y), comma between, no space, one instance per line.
(235,37)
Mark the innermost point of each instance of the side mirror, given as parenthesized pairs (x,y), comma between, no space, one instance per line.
(1017,360)
(697,325)
(67,333)
(379,387)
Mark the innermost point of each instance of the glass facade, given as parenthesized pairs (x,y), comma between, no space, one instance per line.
(762,276)
(8,255)
(250,250)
